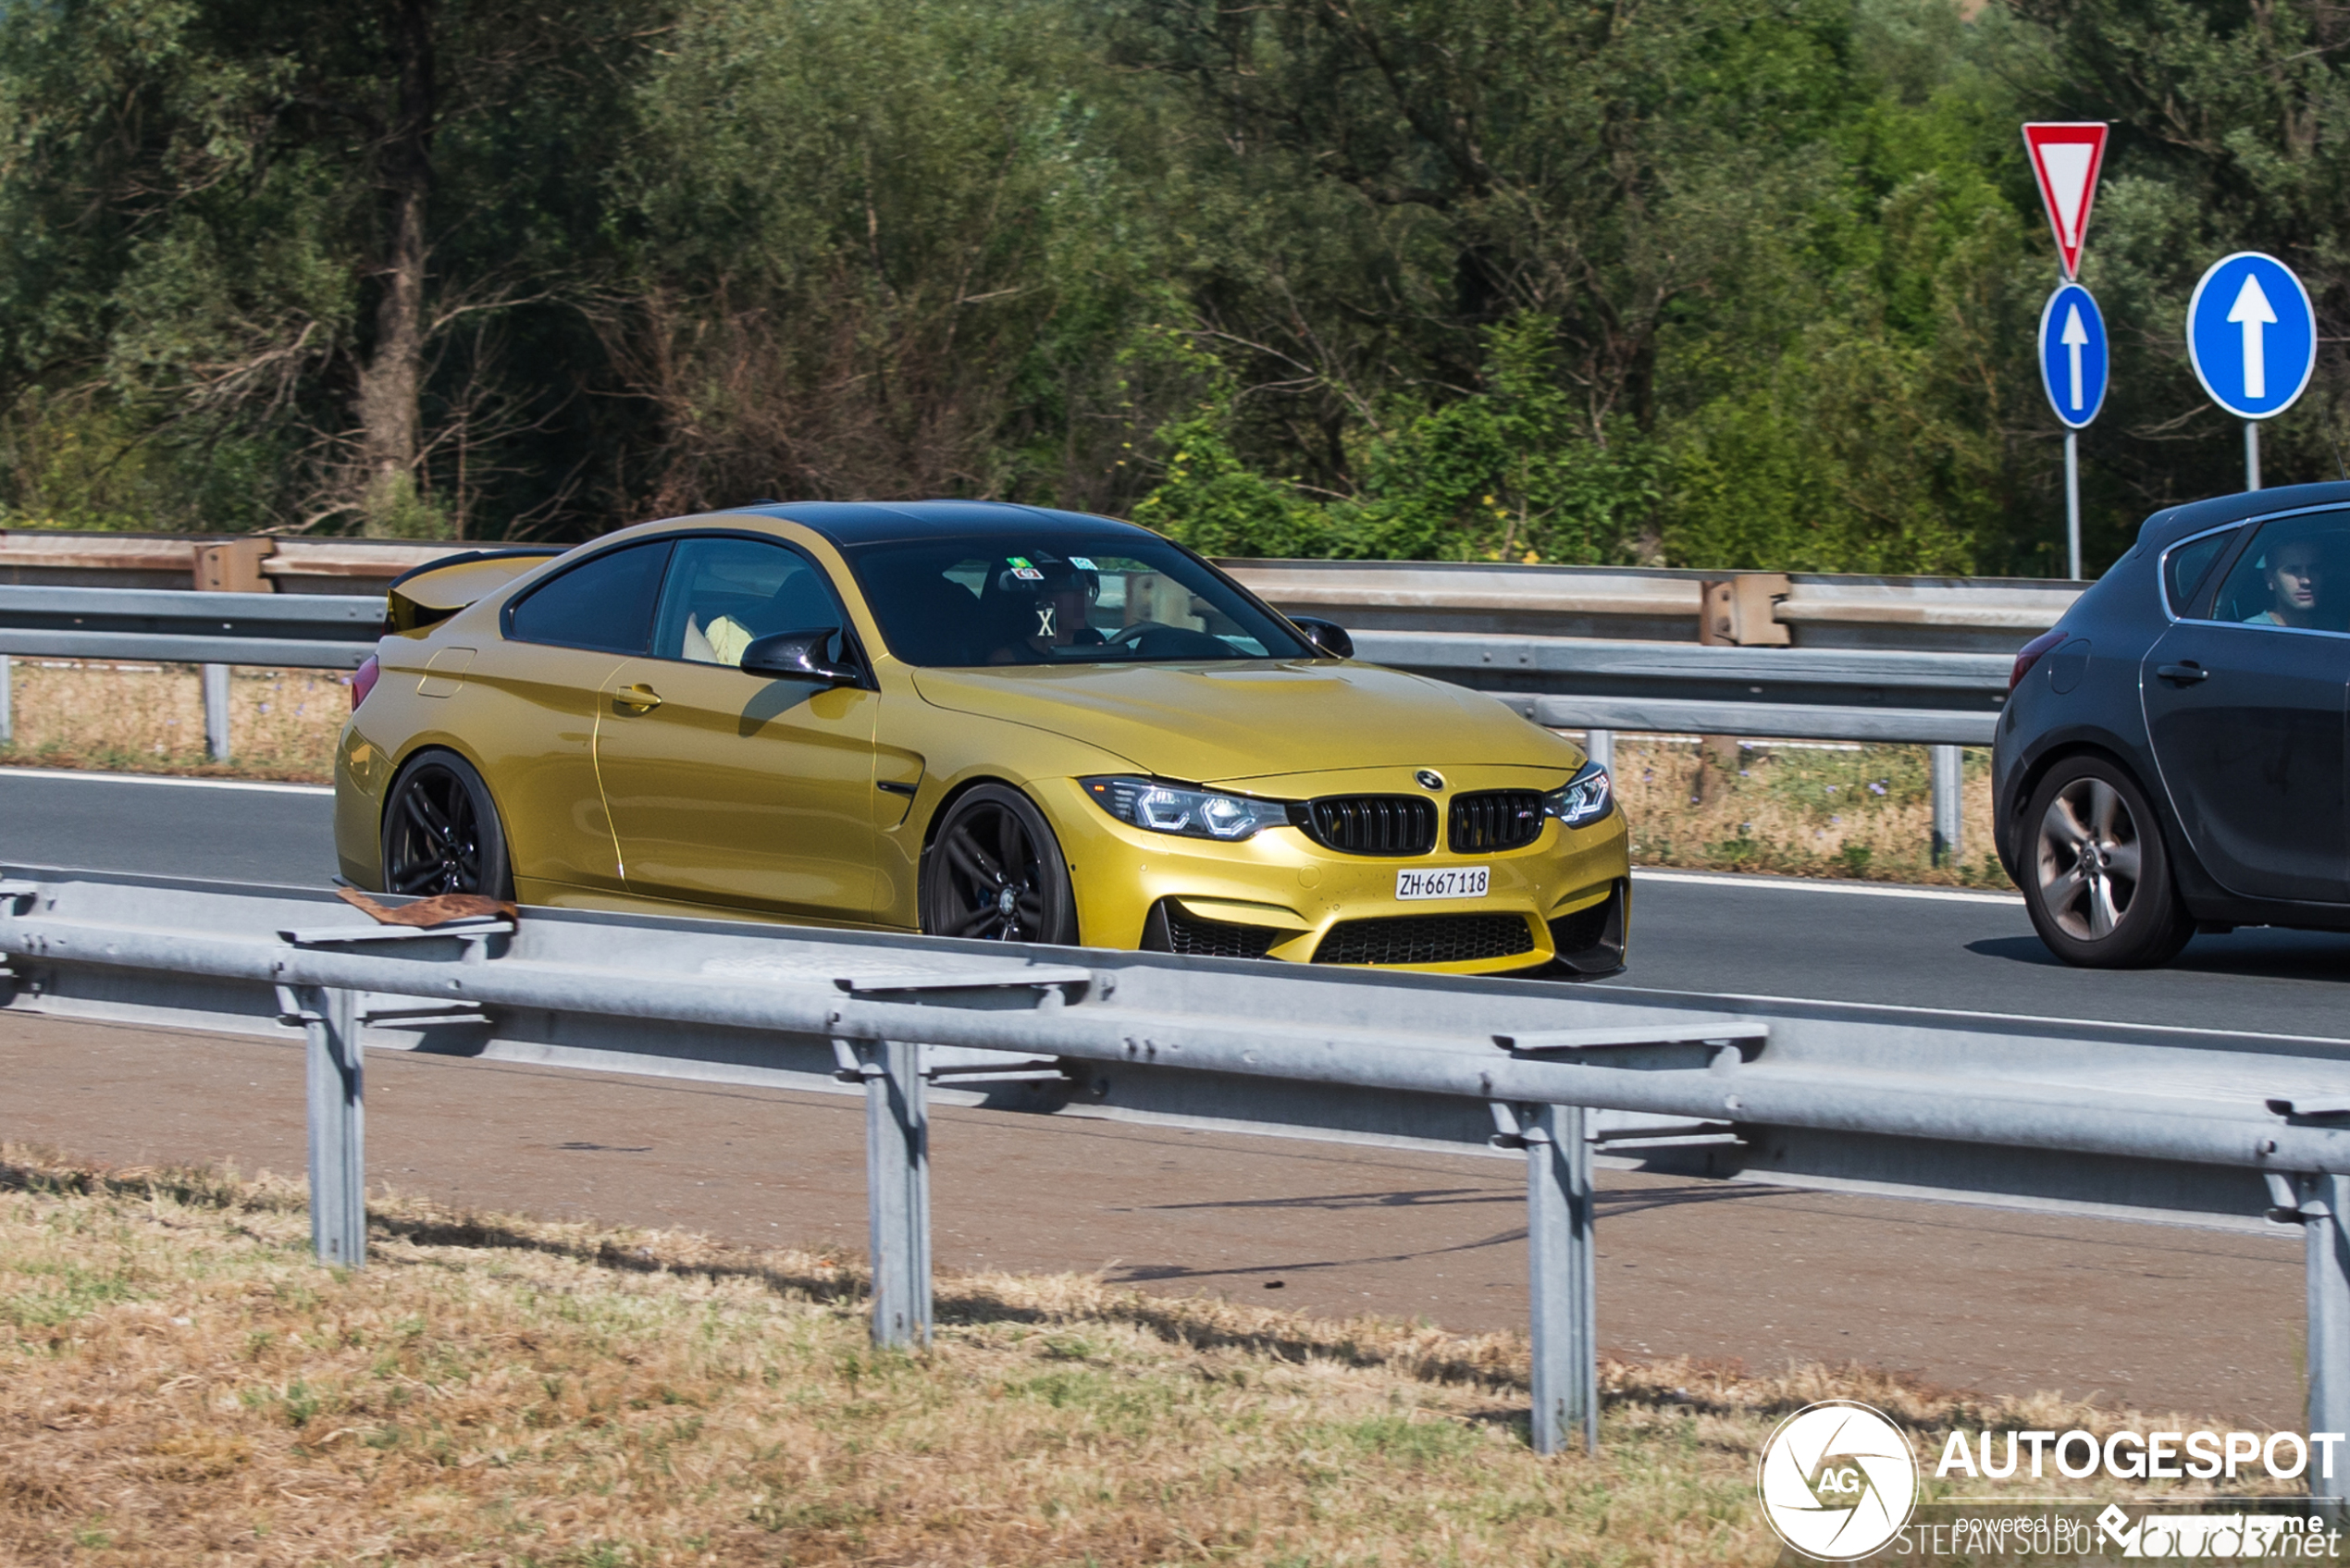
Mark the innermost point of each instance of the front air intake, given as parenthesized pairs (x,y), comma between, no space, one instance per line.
(1426,939)
(1372,824)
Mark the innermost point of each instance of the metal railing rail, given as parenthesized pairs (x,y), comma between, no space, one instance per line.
(1806,609)
(1979,614)
(1599,686)
(2112,1120)
(297,630)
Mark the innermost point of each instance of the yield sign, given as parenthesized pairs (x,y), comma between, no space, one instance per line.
(2065,159)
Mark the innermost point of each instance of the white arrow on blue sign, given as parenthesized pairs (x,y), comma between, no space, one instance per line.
(2074,360)
(2252,335)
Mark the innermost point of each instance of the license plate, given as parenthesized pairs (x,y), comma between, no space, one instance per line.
(1454,882)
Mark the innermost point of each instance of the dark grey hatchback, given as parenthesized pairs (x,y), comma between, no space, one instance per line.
(2175,755)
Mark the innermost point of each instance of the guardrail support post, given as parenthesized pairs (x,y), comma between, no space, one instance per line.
(8,719)
(337,1125)
(1559,1244)
(215,712)
(1600,747)
(2322,1214)
(1949,778)
(898,1190)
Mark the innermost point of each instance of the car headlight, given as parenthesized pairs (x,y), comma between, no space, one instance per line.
(1194,813)
(1583,798)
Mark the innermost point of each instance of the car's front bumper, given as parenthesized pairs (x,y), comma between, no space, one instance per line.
(1278,895)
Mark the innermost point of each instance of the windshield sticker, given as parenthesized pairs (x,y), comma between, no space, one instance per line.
(1081,563)
(1024,570)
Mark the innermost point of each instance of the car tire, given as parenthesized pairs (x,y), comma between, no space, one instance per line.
(2096,873)
(994,872)
(441,833)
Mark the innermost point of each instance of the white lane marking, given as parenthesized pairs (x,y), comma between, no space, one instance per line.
(1858,889)
(1718,998)
(166,779)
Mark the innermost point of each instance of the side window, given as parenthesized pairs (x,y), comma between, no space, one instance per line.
(2184,569)
(605,603)
(724,594)
(2295,574)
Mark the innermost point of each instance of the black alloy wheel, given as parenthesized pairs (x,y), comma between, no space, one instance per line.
(994,872)
(2097,879)
(441,833)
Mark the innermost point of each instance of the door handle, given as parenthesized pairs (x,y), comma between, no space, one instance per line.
(643,699)
(2185,674)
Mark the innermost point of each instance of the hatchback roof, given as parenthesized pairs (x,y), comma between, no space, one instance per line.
(2178,522)
(863,523)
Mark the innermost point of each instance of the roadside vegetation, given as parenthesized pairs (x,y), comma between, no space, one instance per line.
(1723,283)
(181,1382)
(149,719)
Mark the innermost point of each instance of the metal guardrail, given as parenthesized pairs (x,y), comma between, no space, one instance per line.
(1570,682)
(1599,686)
(2128,1120)
(1823,694)
(297,631)
(1810,610)
(1806,610)
(43,558)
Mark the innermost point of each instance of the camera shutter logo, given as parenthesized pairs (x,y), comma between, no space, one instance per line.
(1837,1480)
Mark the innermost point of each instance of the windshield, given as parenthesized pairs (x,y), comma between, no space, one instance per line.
(1059,600)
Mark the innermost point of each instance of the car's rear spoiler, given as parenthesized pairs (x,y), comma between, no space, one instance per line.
(437,589)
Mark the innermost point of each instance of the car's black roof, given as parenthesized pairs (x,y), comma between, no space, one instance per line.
(2178,522)
(864,522)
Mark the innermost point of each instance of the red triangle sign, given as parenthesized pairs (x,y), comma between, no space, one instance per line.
(2065,160)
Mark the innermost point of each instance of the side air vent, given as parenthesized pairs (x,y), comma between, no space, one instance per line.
(1173,929)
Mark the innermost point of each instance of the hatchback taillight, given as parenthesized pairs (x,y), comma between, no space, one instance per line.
(2029,655)
(362,681)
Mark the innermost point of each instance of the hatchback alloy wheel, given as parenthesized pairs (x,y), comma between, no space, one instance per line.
(2089,859)
(2098,882)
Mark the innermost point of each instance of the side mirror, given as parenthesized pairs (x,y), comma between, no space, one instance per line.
(797,656)
(1327,636)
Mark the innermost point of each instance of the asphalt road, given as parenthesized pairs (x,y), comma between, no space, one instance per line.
(2161,1316)
(1754,937)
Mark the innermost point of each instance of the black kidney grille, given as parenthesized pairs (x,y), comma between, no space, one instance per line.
(1373,824)
(1500,819)
(1186,932)
(1426,939)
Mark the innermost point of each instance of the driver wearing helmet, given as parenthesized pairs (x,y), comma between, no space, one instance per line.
(1041,605)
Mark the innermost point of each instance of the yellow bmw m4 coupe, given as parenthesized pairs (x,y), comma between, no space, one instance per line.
(968,718)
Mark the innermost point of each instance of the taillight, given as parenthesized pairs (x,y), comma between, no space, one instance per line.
(2029,655)
(362,681)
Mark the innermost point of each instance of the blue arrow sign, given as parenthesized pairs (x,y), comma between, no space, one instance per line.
(2074,360)
(2252,335)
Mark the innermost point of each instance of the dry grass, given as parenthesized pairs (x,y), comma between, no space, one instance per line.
(1801,812)
(179,1383)
(1753,805)
(149,719)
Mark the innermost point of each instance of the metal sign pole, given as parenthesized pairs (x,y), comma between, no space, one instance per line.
(2251,454)
(2072,504)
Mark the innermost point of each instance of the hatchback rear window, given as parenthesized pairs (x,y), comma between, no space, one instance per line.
(2187,567)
